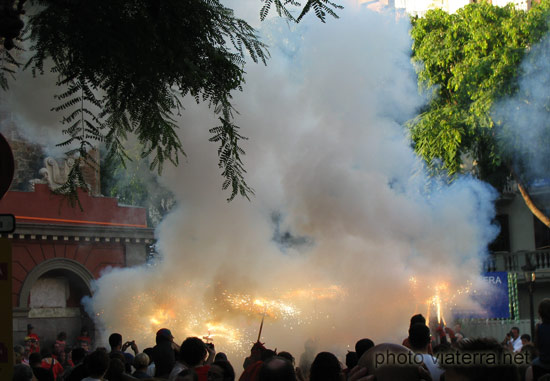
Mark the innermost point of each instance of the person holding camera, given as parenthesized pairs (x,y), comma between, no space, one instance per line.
(115,341)
(513,341)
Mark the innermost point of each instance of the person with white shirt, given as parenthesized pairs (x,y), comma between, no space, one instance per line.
(419,340)
(513,340)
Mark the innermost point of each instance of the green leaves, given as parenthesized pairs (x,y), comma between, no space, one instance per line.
(229,152)
(469,60)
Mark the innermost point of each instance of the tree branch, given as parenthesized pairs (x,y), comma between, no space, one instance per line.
(529,202)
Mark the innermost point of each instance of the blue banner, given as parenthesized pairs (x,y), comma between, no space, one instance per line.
(494,299)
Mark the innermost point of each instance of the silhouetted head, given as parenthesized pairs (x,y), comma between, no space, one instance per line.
(419,336)
(277,369)
(325,367)
(115,341)
(362,346)
(418,318)
(193,351)
(164,334)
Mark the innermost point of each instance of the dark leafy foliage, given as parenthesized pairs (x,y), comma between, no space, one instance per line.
(8,67)
(126,64)
(142,57)
(321,8)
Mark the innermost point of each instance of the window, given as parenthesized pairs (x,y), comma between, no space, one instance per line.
(542,235)
(502,242)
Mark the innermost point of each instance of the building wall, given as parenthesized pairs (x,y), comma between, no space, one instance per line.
(522,233)
(27,254)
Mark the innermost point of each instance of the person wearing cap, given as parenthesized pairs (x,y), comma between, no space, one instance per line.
(31,340)
(164,353)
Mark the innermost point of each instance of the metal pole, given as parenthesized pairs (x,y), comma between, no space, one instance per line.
(532,309)
(261,325)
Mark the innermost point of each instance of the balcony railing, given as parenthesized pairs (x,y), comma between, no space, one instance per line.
(513,262)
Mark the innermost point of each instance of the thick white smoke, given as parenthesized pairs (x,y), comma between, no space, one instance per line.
(328,156)
(30,100)
(523,131)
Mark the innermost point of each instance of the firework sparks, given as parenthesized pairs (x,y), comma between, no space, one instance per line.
(437,300)
(225,332)
(273,308)
(220,320)
(317,293)
(441,300)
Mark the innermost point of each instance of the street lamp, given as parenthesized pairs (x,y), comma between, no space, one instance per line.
(529,274)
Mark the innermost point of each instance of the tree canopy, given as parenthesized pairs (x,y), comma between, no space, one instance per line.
(469,61)
(124,66)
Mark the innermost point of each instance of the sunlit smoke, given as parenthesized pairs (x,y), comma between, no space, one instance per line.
(328,153)
(522,118)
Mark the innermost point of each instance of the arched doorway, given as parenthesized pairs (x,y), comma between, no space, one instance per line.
(53,293)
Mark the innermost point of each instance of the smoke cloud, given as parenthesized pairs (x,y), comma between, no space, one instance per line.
(369,237)
(30,100)
(522,120)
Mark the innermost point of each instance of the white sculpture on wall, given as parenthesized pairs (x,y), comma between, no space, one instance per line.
(54,174)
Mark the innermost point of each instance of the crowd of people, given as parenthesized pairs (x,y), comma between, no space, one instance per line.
(447,355)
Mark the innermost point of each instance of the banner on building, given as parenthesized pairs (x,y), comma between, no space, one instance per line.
(494,299)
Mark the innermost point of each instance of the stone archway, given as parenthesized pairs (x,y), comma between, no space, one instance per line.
(49,265)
